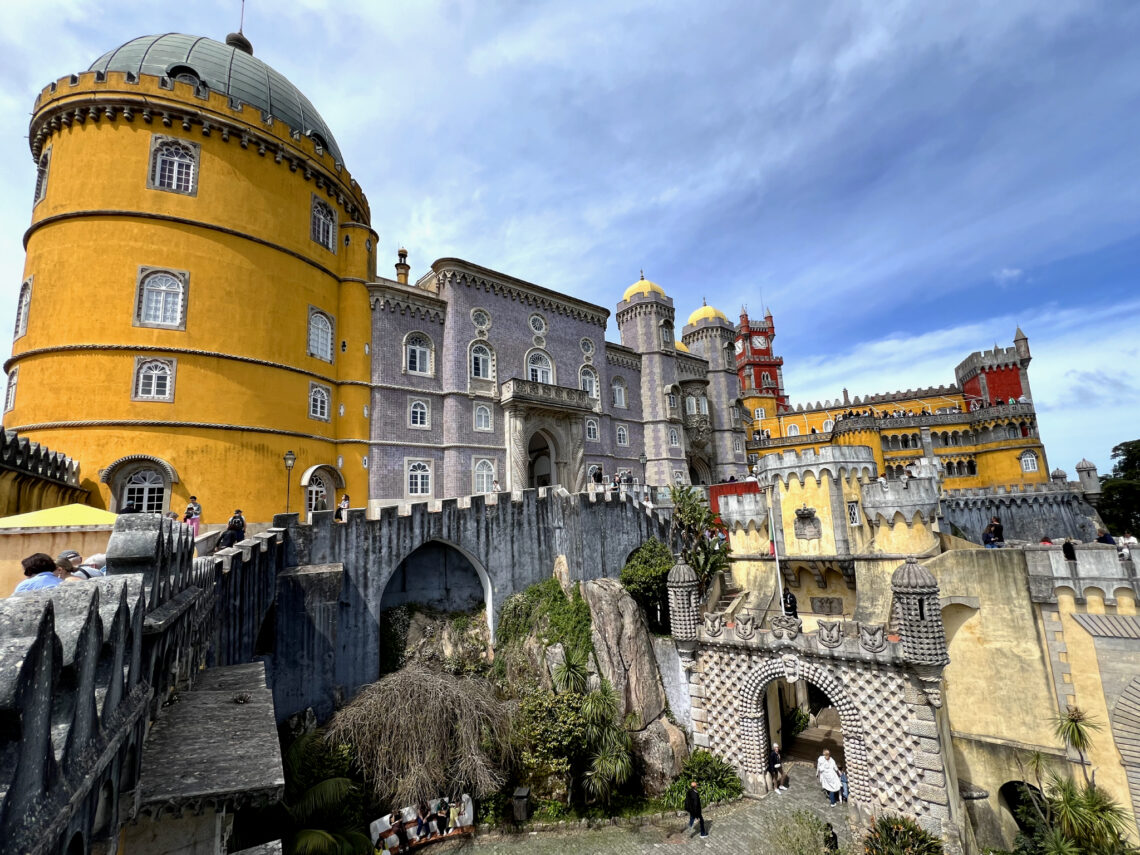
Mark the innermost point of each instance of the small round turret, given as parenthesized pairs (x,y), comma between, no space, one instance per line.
(917,614)
(684,606)
(913,578)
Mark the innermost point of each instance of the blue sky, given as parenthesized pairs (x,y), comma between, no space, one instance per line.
(901,183)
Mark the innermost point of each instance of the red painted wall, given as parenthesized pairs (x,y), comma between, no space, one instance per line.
(1003,383)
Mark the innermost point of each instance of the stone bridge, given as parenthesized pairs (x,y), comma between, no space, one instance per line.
(329,606)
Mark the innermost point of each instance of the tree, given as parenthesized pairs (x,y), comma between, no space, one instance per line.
(898,835)
(1075,728)
(1119,504)
(323,800)
(703,536)
(645,576)
(419,734)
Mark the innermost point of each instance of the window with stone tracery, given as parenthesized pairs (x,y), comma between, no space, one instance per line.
(174,167)
(322,225)
(539,368)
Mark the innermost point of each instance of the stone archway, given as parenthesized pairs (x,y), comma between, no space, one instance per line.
(543,465)
(753,721)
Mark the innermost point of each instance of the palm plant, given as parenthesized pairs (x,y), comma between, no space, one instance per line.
(572,673)
(1074,728)
(610,749)
(321,800)
(699,530)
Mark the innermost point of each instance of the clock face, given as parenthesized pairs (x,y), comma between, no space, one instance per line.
(759,342)
(739,345)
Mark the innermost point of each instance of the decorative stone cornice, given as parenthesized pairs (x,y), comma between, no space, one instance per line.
(623,358)
(527,393)
(643,309)
(406,299)
(150,423)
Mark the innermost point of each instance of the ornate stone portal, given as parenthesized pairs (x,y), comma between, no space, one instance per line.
(556,414)
(887,694)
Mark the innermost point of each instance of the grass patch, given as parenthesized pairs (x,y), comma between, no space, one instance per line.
(559,619)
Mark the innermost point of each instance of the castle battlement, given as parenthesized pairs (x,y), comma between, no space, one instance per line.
(987,360)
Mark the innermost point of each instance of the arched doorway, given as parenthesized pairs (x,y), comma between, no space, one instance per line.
(441,577)
(541,470)
(801,717)
(1015,798)
(699,472)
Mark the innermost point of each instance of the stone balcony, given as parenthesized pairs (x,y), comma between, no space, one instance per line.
(546,396)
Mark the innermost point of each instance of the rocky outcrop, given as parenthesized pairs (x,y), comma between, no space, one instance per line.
(441,640)
(625,658)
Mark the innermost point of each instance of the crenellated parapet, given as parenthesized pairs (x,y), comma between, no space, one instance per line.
(86,667)
(25,457)
(1097,568)
(909,498)
(841,462)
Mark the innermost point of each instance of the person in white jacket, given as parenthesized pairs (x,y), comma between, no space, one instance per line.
(828,773)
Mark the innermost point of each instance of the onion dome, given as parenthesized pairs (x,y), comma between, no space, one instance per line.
(643,286)
(230,69)
(1059,474)
(681,574)
(706,313)
(913,578)
(1085,464)
(681,346)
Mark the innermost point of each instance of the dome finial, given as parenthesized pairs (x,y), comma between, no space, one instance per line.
(643,273)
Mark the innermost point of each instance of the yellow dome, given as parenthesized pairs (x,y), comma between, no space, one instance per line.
(643,286)
(680,345)
(706,313)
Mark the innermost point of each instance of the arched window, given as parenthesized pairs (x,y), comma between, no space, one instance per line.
(1012,432)
(323,225)
(10,394)
(419,415)
(1028,462)
(482,417)
(539,368)
(672,400)
(161,300)
(146,490)
(315,494)
(690,405)
(765,379)
(419,478)
(484,476)
(41,177)
(793,430)
(22,309)
(674,437)
(417,354)
(758,414)
(320,336)
(153,380)
(971,467)
(319,402)
(481,362)
(828,425)
(172,167)
(622,435)
(588,381)
(617,391)
(667,335)
(703,405)
(592,430)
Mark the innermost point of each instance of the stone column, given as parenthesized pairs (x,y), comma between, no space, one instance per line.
(516,449)
(576,477)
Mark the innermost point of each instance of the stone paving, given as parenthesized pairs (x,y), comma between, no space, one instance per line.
(745,827)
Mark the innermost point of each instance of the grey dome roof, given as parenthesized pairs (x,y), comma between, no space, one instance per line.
(681,574)
(224,69)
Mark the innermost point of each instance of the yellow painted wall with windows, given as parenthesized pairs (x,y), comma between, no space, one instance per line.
(243,369)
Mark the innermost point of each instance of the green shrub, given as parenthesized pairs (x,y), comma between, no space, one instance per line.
(560,619)
(898,835)
(717,781)
(646,572)
(803,834)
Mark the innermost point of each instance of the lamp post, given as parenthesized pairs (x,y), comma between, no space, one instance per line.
(290,459)
(643,460)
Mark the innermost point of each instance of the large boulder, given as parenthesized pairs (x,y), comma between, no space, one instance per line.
(621,644)
(662,750)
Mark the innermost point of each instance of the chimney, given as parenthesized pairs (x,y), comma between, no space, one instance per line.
(402,267)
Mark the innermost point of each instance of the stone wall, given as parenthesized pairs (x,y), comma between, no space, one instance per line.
(85,667)
(1028,514)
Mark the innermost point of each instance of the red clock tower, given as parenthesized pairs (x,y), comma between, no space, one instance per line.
(761,372)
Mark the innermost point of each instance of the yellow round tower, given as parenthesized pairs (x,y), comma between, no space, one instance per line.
(194,302)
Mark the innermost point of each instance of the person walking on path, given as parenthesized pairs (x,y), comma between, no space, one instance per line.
(693,806)
(193,515)
(828,773)
(776,768)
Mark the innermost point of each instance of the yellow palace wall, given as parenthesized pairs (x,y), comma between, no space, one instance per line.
(243,373)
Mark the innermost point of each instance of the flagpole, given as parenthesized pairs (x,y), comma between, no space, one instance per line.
(775,546)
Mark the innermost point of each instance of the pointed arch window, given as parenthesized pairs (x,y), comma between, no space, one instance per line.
(154,380)
(622,435)
(618,390)
(417,354)
(482,417)
(22,309)
(320,335)
(588,381)
(10,393)
(539,368)
(484,476)
(173,166)
(481,362)
(322,224)
(674,438)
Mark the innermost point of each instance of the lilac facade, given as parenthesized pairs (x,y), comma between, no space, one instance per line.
(482,379)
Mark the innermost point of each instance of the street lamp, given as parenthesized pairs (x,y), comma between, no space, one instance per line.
(290,459)
(644,475)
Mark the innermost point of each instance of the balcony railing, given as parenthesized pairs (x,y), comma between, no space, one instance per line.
(531,392)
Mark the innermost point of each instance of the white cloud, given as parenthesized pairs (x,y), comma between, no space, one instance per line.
(1008,275)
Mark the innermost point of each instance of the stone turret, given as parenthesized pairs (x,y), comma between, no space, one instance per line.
(917,614)
(1090,481)
(684,605)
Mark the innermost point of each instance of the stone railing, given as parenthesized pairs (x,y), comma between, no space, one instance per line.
(517,391)
(1098,566)
(85,667)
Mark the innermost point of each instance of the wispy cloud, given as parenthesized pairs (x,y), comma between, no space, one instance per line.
(1008,275)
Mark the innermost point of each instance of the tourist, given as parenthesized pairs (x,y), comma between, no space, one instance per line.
(442,813)
(1045,541)
(73,558)
(830,840)
(230,537)
(988,537)
(92,567)
(844,792)
(342,509)
(790,604)
(828,773)
(693,806)
(495,488)
(193,515)
(1103,536)
(396,820)
(1069,550)
(422,819)
(999,531)
(238,520)
(41,573)
(1127,540)
(321,504)
(776,768)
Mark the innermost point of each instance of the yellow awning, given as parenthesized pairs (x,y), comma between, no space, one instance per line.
(65,515)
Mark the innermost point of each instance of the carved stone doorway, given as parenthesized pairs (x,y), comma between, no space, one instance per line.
(541,457)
